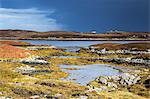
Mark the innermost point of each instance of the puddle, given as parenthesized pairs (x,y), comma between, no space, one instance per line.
(84,74)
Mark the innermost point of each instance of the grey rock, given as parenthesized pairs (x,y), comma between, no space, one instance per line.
(103,80)
(136,79)
(83,97)
(122,82)
(125,76)
(5,97)
(128,79)
(33,60)
(132,77)
(130,82)
(103,88)
(60,96)
(111,84)
(25,70)
(98,89)
(115,78)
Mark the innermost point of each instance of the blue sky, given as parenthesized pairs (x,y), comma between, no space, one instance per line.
(75,15)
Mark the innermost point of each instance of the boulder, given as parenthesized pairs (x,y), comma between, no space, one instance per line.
(111,84)
(59,96)
(95,89)
(102,80)
(115,78)
(83,97)
(125,76)
(135,80)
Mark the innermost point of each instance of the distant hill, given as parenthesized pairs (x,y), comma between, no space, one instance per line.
(128,46)
(24,34)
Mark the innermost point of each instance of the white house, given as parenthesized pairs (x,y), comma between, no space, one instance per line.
(93,31)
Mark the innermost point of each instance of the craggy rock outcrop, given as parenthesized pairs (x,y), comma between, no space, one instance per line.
(109,83)
(124,79)
(29,70)
(25,70)
(33,61)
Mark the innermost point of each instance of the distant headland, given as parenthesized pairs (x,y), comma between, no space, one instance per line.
(69,35)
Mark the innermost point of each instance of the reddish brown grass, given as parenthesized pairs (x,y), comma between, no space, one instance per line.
(8,51)
(14,43)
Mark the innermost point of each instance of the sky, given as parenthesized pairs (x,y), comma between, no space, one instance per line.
(75,15)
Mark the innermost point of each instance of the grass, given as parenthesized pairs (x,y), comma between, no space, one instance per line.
(53,52)
(69,61)
(30,85)
(52,75)
(119,95)
(7,73)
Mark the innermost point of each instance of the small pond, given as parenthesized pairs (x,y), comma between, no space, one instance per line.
(84,74)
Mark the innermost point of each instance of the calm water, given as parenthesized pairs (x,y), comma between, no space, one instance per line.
(84,74)
(73,43)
